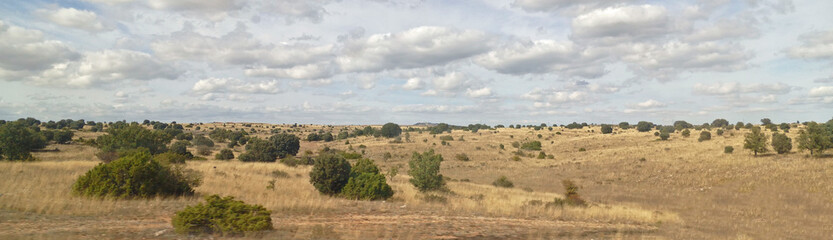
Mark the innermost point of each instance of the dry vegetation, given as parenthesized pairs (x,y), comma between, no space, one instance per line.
(638,187)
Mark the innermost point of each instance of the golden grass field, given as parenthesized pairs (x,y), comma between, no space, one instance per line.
(638,187)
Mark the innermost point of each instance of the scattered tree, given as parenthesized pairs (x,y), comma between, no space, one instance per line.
(755,141)
(705,136)
(816,138)
(781,143)
(330,173)
(424,171)
(390,130)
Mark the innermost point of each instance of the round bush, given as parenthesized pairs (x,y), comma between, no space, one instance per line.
(367,186)
(225,154)
(503,182)
(258,150)
(330,173)
(135,175)
(285,144)
(705,136)
(728,149)
(390,130)
(664,136)
(224,216)
(607,129)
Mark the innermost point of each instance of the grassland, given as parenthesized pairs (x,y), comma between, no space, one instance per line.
(638,186)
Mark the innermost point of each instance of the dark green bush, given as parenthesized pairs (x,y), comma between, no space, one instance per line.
(364,165)
(285,144)
(201,140)
(17,140)
(503,182)
(259,150)
(664,136)
(63,136)
(135,175)
(447,138)
(644,126)
(181,148)
(330,173)
(133,137)
(532,145)
(390,130)
(462,157)
(225,154)
(170,158)
(607,129)
(686,133)
(367,186)
(424,171)
(728,149)
(705,136)
(222,215)
(781,143)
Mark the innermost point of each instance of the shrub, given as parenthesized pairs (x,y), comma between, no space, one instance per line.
(571,194)
(367,186)
(135,175)
(664,136)
(582,149)
(816,138)
(607,129)
(656,134)
(390,130)
(532,145)
(755,141)
(503,182)
(781,143)
(169,158)
(624,125)
(719,132)
(133,137)
(330,173)
(644,126)
(462,157)
(201,140)
(258,150)
(285,144)
(542,155)
(63,136)
(225,154)
(17,140)
(425,169)
(203,150)
(364,165)
(686,133)
(295,161)
(222,215)
(728,149)
(447,138)
(705,136)
(181,148)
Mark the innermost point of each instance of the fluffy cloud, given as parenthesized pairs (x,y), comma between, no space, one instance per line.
(650,103)
(665,61)
(823,91)
(479,93)
(413,48)
(106,67)
(558,5)
(555,97)
(734,88)
(413,83)
(232,85)
(24,51)
(74,18)
(544,56)
(293,10)
(724,29)
(423,108)
(815,45)
(622,23)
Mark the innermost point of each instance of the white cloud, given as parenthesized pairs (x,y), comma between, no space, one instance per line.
(479,93)
(423,108)
(724,29)
(665,61)
(25,51)
(414,48)
(650,103)
(106,67)
(293,10)
(556,98)
(814,45)
(413,83)
(74,18)
(544,56)
(558,5)
(823,91)
(232,85)
(735,88)
(622,23)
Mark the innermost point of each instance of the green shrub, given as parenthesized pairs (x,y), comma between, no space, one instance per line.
(222,215)
(607,129)
(542,155)
(364,165)
(201,140)
(582,149)
(181,148)
(719,132)
(532,145)
(330,173)
(705,136)
(571,194)
(425,169)
(664,136)
(225,154)
(447,138)
(285,144)
(295,161)
(135,175)
(781,143)
(63,136)
(686,133)
(644,126)
(516,144)
(351,155)
(462,157)
(170,158)
(728,149)
(17,140)
(367,186)
(133,137)
(503,182)
(390,130)
(755,141)
(259,150)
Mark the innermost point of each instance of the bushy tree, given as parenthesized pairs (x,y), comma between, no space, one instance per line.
(259,150)
(390,130)
(574,125)
(624,125)
(181,148)
(222,215)
(680,125)
(201,140)
(664,136)
(755,141)
(816,138)
(425,171)
(364,165)
(17,140)
(766,121)
(367,186)
(133,137)
(135,175)
(644,126)
(686,133)
(606,129)
(719,123)
(285,144)
(781,143)
(705,136)
(225,154)
(63,136)
(330,173)
(739,125)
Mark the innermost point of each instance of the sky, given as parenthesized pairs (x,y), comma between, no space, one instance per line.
(376,61)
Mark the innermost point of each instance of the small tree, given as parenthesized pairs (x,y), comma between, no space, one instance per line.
(135,175)
(705,136)
(259,150)
(664,136)
(132,137)
(330,173)
(781,143)
(222,215)
(644,126)
(624,125)
(815,138)
(686,133)
(17,140)
(225,154)
(285,144)
(390,130)
(755,141)
(607,129)
(424,171)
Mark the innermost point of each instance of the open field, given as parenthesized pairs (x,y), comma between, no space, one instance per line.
(638,187)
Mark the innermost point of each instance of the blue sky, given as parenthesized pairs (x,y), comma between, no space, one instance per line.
(371,62)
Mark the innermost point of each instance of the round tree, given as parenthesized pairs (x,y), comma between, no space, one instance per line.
(330,173)
(390,130)
(285,144)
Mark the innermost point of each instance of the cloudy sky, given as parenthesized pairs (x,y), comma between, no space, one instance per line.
(374,61)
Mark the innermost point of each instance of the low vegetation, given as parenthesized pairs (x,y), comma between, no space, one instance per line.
(224,216)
